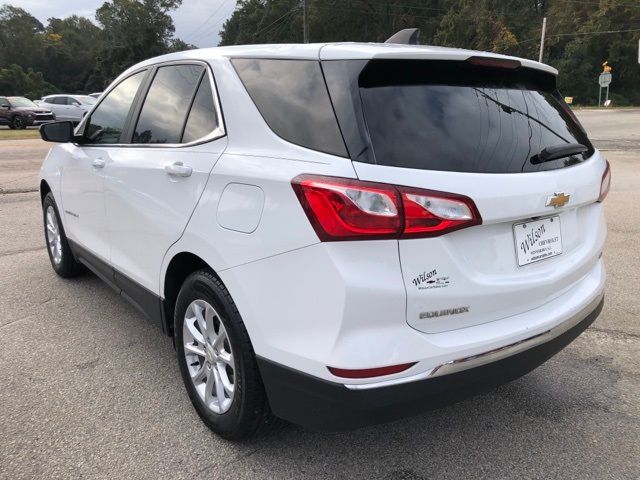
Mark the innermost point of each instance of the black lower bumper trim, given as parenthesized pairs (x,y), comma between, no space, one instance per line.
(326,406)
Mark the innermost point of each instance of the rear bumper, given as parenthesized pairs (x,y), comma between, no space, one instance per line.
(328,406)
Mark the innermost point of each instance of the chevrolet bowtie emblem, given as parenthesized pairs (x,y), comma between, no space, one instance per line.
(558,200)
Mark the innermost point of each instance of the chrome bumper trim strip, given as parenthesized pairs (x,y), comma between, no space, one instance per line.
(513,348)
(483,358)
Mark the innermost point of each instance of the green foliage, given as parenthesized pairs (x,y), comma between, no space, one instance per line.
(511,27)
(16,81)
(74,54)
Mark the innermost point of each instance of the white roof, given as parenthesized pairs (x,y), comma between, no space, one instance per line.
(341,51)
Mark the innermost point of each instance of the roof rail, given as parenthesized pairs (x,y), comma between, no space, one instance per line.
(408,36)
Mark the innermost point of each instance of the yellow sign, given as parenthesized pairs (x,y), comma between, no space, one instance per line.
(568,100)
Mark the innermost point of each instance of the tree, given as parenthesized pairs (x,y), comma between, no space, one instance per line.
(20,37)
(133,30)
(574,44)
(68,55)
(16,81)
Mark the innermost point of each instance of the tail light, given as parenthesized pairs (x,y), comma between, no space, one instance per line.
(347,209)
(605,184)
(370,372)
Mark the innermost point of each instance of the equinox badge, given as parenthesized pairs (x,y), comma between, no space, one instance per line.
(443,313)
(557,200)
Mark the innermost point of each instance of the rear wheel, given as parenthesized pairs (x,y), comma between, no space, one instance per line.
(60,255)
(216,359)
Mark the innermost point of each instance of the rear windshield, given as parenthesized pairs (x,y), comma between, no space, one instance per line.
(452,116)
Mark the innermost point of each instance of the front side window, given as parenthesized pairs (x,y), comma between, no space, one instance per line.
(292,97)
(168,101)
(108,119)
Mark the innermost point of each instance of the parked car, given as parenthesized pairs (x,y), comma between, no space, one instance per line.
(95,94)
(336,234)
(69,107)
(20,112)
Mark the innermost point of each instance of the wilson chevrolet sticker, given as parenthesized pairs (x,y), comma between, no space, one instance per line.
(429,280)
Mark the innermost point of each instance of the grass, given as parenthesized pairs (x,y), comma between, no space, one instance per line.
(7,134)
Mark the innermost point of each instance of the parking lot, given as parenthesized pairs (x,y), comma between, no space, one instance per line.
(89,389)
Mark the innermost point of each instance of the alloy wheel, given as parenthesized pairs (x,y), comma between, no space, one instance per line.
(209,356)
(54,240)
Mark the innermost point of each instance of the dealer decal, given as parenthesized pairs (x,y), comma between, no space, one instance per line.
(431,279)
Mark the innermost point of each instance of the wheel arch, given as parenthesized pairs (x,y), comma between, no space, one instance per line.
(44,190)
(180,266)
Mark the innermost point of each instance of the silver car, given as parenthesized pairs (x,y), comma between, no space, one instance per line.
(68,107)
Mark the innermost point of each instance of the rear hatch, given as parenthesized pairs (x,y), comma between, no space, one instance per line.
(489,130)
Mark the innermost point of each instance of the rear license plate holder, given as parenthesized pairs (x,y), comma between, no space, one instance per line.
(537,240)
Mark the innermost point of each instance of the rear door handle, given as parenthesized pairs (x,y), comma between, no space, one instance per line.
(178,169)
(98,163)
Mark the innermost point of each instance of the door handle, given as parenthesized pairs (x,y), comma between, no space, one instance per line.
(98,163)
(178,169)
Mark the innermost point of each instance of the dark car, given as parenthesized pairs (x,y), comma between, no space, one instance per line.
(20,112)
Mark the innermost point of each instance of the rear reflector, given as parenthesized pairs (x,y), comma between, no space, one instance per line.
(370,372)
(605,184)
(348,209)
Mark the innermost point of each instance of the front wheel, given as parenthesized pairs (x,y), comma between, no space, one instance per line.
(60,255)
(18,123)
(217,361)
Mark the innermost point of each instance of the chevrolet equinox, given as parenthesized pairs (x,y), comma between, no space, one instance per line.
(335,234)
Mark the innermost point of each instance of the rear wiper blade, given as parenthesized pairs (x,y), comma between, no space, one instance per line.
(558,151)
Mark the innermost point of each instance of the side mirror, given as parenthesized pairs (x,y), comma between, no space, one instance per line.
(61,132)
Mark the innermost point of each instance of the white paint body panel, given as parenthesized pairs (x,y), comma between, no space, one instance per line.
(148,209)
(307,304)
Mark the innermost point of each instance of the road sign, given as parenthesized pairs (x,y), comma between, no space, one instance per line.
(605,79)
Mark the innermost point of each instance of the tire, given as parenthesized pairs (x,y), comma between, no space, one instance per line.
(235,415)
(60,254)
(18,123)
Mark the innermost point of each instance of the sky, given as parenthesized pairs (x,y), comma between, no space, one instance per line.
(196,21)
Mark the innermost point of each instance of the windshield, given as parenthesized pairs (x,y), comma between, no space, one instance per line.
(21,102)
(451,116)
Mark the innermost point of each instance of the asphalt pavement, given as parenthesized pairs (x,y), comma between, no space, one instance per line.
(90,389)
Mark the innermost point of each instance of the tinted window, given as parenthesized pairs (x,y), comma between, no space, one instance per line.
(108,119)
(59,100)
(165,108)
(448,117)
(292,97)
(202,118)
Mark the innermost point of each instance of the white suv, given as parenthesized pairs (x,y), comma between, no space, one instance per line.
(336,234)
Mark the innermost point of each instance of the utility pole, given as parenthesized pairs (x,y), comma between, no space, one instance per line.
(305,22)
(544,32)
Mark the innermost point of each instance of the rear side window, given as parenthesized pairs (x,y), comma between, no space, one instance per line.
(108,119)
(451,116)
(202,117)
(292,97)
(168,101)
(60,101)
